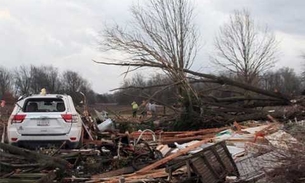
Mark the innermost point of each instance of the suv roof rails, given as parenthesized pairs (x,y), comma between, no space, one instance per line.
(59,96)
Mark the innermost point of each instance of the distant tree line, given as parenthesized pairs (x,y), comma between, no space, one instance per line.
(284,80)
(25,80)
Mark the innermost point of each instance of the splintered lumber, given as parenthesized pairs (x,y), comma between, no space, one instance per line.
(150,175)
(172,156)
(164,149)
(185,139)
(179,136)
(43,160)
(201,132)
(129,178)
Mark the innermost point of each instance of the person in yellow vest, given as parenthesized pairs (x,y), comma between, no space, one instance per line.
(134,109)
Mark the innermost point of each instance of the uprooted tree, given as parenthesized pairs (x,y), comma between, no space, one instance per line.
(163,36)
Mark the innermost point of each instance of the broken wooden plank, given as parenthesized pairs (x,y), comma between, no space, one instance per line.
(130,178)
(172,156)
(185,139)
(202,132)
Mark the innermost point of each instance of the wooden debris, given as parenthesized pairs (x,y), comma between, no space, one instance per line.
(185,139)
(201,132)
(164,149)
(172,156)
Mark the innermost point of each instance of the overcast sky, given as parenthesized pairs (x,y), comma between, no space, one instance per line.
(64,33)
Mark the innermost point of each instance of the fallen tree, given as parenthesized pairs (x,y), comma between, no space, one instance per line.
(43,161)
(164,37)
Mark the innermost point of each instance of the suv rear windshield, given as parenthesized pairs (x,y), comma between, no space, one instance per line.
(44,105)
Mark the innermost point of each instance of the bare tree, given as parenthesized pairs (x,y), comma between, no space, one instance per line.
(45,77)
(32,79)
(284,80)
(73,83)
(244,49)
(22,77)
(162,36)
(5,81)
(53,78)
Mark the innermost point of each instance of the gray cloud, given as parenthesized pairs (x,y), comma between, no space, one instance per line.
(64,33)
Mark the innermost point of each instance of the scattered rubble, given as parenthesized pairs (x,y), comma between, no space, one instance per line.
(238,153)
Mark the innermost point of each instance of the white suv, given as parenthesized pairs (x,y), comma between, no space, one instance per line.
(42,120)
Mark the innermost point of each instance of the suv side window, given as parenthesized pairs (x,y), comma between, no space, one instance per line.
(44,105)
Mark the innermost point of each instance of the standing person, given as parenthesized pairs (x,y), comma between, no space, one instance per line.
(134,109)
(153,109)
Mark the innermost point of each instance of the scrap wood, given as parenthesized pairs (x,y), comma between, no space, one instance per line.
(154,174)
(161,134)
(164,149)
(87,130)
(239,139)
(134,177)
(172,156)
(271,128)
(185,139)
(237,126)
(201,132)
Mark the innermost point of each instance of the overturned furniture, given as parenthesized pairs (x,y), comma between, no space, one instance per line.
(212,164)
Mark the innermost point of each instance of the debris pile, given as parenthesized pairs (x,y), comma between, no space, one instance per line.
(232,153)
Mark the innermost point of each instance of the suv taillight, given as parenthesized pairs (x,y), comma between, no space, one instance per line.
(18,118)
(69,118)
